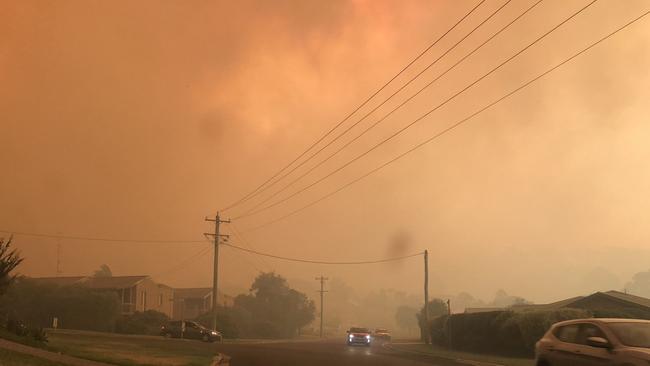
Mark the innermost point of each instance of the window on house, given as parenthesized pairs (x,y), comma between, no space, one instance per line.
(160,300)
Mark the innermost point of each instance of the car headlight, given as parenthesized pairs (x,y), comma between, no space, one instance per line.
(350,336)
(368,337)
(213,333)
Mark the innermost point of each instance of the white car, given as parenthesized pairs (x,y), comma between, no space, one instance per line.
(587,342)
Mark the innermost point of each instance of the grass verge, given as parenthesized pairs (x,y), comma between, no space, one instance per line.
(459,355)
(10,358)
(132,350)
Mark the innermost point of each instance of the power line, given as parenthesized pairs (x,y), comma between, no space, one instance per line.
(369,113)
(183,263)
(382,142)
(88,238)
(396,108)
(319,261)
(256,190)
(247,243)
(445,131)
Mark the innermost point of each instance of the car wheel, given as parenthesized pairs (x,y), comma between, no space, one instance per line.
(206,338)
(543,363)
(167,335)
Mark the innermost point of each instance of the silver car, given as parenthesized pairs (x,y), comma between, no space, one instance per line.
(586,342)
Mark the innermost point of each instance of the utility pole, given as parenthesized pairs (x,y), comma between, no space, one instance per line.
(58,255)
(449,323)
(426,296)
(215,279)
(322,291)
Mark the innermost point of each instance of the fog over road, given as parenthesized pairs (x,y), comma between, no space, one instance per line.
(321,353)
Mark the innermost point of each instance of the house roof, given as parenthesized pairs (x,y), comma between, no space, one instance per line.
(112,282)
(59,281)
(638,300)
(192,293)
(115,282)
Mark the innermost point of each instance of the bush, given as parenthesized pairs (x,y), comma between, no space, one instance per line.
(147,323)
(76,307)
(533,324)
(231,322)
(627,313)
(506,332)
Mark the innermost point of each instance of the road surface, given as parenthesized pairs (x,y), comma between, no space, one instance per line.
(322,353)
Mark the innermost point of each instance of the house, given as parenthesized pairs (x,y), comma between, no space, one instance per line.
(192,302)
(136,293)
(601,303)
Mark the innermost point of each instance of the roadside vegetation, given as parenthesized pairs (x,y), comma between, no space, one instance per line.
(272,309)
(131,350)
(10,358)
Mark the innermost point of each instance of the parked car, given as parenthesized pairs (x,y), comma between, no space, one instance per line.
(358,336)
(586,342)
(189,330)
(381,333)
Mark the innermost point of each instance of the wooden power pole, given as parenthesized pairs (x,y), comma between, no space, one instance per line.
(322,291)
(215,279)
(426,297)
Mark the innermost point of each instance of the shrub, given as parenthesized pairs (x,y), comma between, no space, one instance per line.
(505,332)
(533,324)
(627,313)
(76,307)
(229,321)
(147,322)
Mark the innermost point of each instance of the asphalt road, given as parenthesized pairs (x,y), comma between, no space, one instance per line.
(322,353)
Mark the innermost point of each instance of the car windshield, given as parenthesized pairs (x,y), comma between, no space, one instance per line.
(359,330)
(632,334)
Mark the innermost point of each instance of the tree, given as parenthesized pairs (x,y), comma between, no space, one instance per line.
(406,317)
(640,284)
(435,308)
(276,309)
(9,260)
(503,300)
(103,271)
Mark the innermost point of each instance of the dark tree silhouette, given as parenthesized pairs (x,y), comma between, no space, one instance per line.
(103,271)
(9,260)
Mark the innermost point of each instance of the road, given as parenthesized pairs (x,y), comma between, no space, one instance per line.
(322,353)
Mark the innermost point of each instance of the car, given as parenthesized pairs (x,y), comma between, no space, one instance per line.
(586,342)
(189,330)
(359,336)
(381,333)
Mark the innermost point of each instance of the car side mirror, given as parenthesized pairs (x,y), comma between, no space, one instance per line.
(599,342)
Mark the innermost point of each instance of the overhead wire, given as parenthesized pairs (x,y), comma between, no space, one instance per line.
(384,260)
(89,238)
(383,118)
(450,128)
(183,263)
(247,243)
(369,113)
(364,103)
(400,131)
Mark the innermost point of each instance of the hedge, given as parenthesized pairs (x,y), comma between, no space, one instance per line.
(506,332)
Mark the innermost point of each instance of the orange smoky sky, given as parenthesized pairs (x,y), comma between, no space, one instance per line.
(138,119)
